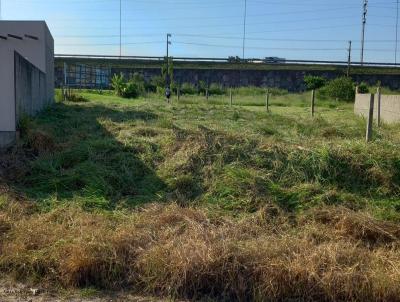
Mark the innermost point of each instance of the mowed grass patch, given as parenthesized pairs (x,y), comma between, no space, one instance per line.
(203,200)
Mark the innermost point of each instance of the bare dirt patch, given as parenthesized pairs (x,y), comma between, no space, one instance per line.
(17,292)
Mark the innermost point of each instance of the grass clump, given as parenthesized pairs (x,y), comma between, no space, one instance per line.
(76,98)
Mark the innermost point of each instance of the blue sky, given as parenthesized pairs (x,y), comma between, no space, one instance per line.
(293,29)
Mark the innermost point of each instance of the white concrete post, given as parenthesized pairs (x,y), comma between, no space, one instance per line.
(379,106)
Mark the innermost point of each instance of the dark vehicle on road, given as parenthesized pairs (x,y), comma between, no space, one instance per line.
(274,60)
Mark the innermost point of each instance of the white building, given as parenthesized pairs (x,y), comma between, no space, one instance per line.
(26,73)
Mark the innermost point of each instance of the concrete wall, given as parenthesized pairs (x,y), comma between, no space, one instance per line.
(389,107)
(290,77)
(39,52)
(30,88)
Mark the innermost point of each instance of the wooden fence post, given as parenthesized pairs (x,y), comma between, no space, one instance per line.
(267,101)
(379,106)
(312,102)
(370,118)
(231,97)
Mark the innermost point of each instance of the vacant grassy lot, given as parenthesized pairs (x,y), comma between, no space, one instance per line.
(201,200)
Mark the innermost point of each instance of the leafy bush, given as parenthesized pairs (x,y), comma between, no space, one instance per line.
(202,87)
(216,89)
(118,83)
(314,82)
(157,82)
(160,90)
(135,87)
(341,88)
(130,91)
(138,81)
(188,88)
(363,88)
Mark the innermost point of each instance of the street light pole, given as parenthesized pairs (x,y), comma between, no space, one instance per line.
(364,21)
(397,31)
(244,28)
(349,60)
(168,44)
(120,28)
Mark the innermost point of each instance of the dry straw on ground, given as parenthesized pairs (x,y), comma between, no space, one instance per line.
(329,254)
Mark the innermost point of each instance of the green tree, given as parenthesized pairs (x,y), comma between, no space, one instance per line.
(314,82)
(341,88)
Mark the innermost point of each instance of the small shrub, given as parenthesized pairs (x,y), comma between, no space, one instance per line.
(341,88)
(202,87)
(216,89)
(160,91)
(135,87)
(130,91)
(314,82)
(363,88)
(138,80)
(188,88)
(118,83)
(156,82)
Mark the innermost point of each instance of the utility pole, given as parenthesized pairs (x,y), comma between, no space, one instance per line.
(168,44)
(244,27)
(120,28)
(397,30)
(364,21)
(349,60)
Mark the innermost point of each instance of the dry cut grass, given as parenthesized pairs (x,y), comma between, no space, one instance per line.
(327,254)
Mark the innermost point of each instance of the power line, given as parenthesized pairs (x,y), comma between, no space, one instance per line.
(110,44)
(224,37)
